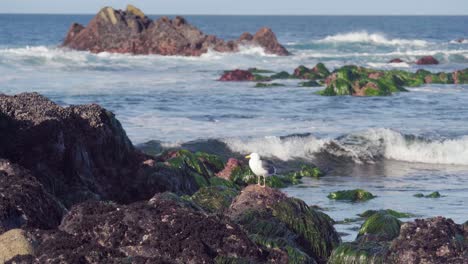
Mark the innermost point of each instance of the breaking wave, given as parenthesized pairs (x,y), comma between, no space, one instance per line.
(369,146)
(372,38)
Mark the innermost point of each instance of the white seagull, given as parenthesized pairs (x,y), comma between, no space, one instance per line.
(260,168)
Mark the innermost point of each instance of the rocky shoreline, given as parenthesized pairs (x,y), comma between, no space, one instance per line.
(348,80)
(131,31)
(74,189)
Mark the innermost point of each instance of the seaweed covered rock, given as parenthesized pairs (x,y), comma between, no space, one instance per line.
(214,199)
(24,203)
(359,81)
(435,240)
(431,195)
(275,220)
(267,85)
(80,153)
(396,214)
(163,229)
(359,253)
(427,60)
(281,76)
(351,195)
(131,31)
(381,225)
(241,76)
(318,72)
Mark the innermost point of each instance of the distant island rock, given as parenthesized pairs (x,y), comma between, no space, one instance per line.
(131,31)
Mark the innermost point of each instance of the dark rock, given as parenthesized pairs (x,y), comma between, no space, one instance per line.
(427,60)
(130,31)
(24,203)
(435,240)
(81,152)
(397,60)
(161,229)
(318,72)
(241,76)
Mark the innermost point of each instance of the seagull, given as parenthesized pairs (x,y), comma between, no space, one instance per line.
(260,168)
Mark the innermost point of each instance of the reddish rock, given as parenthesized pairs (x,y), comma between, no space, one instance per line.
(237,76)
(427,60)
(397,60)
(435,240)
(231,165)
(130,31)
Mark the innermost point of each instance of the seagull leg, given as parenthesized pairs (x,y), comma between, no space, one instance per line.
(264,181)
(258,180)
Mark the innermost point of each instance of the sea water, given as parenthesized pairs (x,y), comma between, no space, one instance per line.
(393,146)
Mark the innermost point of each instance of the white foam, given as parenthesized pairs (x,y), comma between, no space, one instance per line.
(374,38)
(284,149)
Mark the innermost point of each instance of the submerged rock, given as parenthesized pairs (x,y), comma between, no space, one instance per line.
(431,195)
(427,60)
(318,72)
(267,85)
(435,240)
(241,76)
(351,195)
(130,31)
(397,60)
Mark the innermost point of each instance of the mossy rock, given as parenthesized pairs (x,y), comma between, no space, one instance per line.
(396,214)
(382,225)
(359,253)
(258,71)
(216,181)
(318,72)
(356,195)
(281,76)
(214,198)
(311,83)
(204,164)
(314,228)
(266,85)
(310,171)
(431,195)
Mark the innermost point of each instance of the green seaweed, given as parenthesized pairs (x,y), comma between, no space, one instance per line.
(351,195)
(396,214)
(381,224)
(431,195)
(359,253)
(266,85)
(214,198)
(311,83)
(281,76)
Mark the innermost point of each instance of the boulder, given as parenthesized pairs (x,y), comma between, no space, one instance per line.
(162,229)
(277,221)
(80,153)
(24,203)
(242,76)
(435,240)
(14,243)
(427,60)
(397,60)
(318,72)
(130,31)
(356,195)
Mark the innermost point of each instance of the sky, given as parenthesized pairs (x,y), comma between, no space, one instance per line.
(245,7)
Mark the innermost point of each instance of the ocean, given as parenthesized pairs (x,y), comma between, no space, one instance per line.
(393,146)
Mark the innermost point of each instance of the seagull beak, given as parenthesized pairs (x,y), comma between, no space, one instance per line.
(247,157)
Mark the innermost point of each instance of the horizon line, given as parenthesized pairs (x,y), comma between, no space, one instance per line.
(201,14)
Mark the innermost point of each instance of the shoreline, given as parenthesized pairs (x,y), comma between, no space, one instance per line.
(102,164)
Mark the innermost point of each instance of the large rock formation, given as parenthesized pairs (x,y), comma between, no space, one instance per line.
(81,152)
(130,31)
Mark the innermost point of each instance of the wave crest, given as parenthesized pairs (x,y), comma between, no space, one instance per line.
(372,38)
(369,146)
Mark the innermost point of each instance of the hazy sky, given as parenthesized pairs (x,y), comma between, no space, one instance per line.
(356,7)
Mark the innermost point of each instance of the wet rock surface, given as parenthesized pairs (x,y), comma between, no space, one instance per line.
(131,31)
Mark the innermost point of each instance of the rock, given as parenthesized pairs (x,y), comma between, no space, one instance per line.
(427,60)
(162,229)
(281,76)
(351,195)
(359,81)
(461,40)
(81,152)
(397,60)
(214,199)
(431,195)
(355,252)
(274,220)
(381,225)
(24,203)
(435,240)
(267,85)
(394,213)
(318,72)
(241,76)
(231,165)
(130,31)
(13,243)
